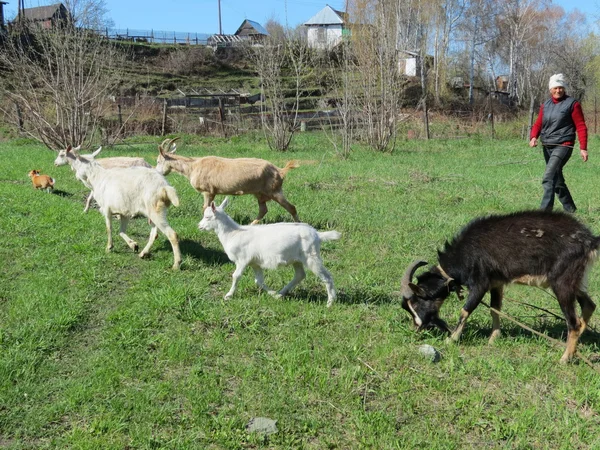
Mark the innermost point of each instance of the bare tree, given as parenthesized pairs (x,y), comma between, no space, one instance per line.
(91,14)
(379,84)
(283,69)
(59,83)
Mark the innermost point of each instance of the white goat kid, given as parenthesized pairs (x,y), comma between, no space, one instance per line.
(128,192)
(69,155)
(269,246)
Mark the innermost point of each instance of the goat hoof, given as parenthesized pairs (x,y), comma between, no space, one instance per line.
(135,247)
(143,255)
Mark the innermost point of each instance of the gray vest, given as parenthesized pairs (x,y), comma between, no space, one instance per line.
(557,123)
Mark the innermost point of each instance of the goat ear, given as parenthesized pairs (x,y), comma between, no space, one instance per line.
(224,203)
(417,290)
(69,148)
(96,152)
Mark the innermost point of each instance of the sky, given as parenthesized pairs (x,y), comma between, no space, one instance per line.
(202,16)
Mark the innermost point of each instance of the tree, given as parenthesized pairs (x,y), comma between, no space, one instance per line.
(283,69)
(92,14)
(378,82)
(59,83)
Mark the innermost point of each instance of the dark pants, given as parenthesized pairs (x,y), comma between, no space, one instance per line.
(553,180)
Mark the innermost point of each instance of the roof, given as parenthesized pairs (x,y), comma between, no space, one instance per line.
(41,12)
(327,16)
(257,26)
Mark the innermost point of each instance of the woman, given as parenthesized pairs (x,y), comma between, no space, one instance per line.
(560,118)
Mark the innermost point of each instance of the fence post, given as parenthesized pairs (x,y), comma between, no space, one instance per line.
(222,116)
(120,117)
(19,117)
(164,118)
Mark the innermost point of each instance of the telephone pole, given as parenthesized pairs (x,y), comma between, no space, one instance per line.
(220,28)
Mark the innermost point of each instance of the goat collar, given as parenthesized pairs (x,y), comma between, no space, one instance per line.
(449,279)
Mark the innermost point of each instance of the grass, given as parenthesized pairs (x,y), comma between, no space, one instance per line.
(109,351)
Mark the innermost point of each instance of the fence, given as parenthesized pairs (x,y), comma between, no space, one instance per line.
(155,36)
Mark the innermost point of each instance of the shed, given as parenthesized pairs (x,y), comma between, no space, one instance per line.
(251,30)
(248,31)
(327,28)
(46,16)
(409,63)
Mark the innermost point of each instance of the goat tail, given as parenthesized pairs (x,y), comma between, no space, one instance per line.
(329,235)
(171,194)
(51,181)
(293,164)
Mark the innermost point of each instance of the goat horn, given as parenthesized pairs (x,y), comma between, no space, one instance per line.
(408,276)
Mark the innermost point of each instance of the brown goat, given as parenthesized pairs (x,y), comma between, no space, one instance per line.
(213,175)
(41,181)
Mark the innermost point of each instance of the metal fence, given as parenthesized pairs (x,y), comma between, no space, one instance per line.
(155,36)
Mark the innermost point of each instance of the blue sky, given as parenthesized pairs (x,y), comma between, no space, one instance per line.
(202,16)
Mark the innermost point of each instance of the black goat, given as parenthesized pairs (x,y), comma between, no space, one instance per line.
(539,248)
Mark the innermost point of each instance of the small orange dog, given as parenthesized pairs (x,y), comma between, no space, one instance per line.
(41,181)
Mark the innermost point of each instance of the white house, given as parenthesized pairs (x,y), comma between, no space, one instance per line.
(326,28)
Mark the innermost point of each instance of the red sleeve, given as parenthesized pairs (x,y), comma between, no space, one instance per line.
(536,129)
(580,125)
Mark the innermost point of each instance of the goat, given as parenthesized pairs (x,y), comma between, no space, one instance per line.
(269,246)
(41,181)
(546,249)
(128,192)
(68,156)
(213,175)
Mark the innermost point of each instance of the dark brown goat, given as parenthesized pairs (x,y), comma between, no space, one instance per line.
(531,247)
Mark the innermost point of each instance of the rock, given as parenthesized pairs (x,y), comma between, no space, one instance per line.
(430,352)
(262,425)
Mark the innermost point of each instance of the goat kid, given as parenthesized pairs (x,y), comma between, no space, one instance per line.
(546,249)
(269,246)
(128,192)
(213,175)
(44,182)
(69,156)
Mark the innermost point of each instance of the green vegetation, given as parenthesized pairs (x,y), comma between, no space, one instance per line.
(105,350)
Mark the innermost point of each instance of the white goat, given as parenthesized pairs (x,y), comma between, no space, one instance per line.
(68,156)
(128,192)
(213,175)
(269,246)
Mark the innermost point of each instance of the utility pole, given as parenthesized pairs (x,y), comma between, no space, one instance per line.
(220,28)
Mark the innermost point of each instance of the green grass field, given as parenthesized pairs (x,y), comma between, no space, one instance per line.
(110,351)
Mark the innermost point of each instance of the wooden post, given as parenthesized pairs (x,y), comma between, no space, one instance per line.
(492,116)
(120,117)
(531,105)
(164,119)
(425,118)
(19,117)
(222,116)
(595,113)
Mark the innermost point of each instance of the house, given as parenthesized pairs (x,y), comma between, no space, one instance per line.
(46,17)
(248,32)
(326,29)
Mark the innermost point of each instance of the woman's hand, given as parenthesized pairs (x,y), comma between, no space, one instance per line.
(584,155)
(533,142)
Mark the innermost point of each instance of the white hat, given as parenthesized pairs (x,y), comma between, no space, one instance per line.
(557,80)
